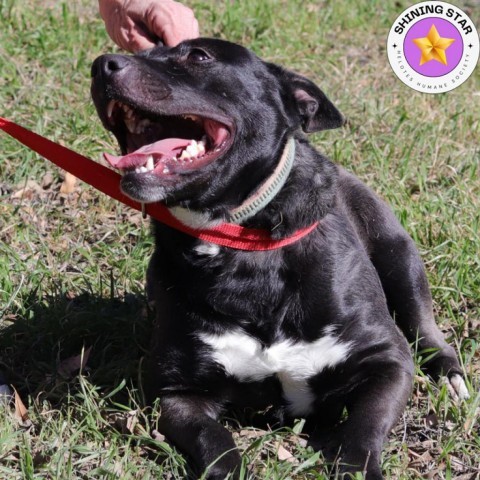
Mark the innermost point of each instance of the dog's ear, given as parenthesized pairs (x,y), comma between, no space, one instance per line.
(316,111)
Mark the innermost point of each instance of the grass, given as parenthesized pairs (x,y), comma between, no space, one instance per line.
(72,266)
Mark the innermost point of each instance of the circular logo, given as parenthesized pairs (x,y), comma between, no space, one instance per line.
(433,47)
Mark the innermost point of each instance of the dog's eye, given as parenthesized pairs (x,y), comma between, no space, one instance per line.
(198,55)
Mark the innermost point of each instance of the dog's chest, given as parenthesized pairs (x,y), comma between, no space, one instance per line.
(294,363)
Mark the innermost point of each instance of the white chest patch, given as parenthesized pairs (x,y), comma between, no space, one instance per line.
(207,248)
(294,363)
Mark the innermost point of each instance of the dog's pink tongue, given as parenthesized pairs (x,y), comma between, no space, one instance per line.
(216,131)
(168,148)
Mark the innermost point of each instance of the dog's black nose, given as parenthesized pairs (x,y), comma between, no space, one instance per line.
(109,64)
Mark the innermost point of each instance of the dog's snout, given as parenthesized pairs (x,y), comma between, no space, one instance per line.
(107,65)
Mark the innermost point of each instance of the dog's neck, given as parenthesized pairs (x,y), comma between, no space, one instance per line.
(256,202)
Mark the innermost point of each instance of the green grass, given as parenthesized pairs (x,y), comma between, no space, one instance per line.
(72,267)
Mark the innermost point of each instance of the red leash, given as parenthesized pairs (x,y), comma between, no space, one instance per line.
(108,182)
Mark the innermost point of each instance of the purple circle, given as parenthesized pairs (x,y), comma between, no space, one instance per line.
(433,68)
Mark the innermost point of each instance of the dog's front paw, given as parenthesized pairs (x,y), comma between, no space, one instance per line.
(220,474)
(456,387)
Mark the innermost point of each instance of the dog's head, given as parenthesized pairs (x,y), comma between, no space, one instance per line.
(202,122)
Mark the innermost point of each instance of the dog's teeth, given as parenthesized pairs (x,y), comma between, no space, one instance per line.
(142,125)
(196,148)
(139,128)
(150,163)
(194,118)
(131,125)
(185,154)
(166,170)
(110,106)
(192,149)
(129,113)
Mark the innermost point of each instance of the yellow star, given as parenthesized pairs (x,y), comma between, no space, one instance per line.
(433,46)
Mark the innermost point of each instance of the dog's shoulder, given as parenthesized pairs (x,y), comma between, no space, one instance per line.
(371,217)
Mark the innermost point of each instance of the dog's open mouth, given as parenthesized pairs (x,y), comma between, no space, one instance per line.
(165,144)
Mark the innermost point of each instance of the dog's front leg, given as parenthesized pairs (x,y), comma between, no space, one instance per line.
(190,422)
(373,409)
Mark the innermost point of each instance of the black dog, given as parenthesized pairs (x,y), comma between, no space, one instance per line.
(307,328)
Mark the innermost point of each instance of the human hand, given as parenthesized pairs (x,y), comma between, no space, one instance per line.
(136,25)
